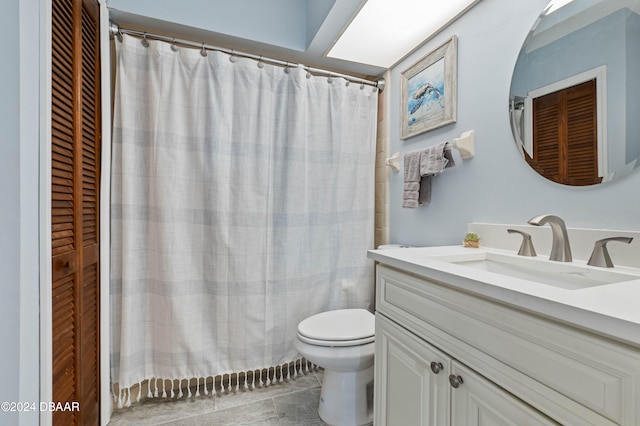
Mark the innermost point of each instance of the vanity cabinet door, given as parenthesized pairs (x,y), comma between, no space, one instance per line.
(412,385)
(477,401)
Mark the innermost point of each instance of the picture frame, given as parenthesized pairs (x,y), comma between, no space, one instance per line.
(429,91)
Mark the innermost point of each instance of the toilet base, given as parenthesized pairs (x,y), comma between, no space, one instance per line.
(346,398)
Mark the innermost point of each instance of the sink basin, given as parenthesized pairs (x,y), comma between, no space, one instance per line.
(557,274)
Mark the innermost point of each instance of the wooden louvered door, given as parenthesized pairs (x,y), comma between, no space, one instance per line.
(75,196)
(582,135)
(565,140)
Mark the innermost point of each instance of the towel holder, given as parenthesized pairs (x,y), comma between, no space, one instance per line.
(465,144)
(393,162)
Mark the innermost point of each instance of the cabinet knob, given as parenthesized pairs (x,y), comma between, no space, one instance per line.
(436,367)
(455,381)
(65,265)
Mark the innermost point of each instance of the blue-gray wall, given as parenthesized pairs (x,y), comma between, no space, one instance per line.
(10,208)
(317,11)
(633,87)
(496,185)
(263,21)
(19,267)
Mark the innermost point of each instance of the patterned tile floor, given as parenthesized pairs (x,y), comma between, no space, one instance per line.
(291,403)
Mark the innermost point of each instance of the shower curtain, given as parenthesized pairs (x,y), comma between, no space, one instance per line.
(241,203)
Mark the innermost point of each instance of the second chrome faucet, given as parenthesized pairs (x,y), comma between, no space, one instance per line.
(560,248)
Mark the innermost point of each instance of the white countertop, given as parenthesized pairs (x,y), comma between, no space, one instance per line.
(611,310)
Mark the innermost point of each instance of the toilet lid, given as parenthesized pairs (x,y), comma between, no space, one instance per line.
(339,325)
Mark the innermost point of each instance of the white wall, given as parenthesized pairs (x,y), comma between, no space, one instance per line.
(19,259)
(496,185)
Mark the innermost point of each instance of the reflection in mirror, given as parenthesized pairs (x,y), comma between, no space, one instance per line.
(575,94)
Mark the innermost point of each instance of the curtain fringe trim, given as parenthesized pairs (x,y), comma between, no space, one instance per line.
(215,384)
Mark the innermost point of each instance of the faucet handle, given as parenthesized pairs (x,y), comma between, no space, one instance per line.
(526,248)
(600,255)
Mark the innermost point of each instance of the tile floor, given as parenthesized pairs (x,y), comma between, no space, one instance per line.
(291,403)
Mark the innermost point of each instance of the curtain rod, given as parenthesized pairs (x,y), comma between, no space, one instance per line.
(116,30)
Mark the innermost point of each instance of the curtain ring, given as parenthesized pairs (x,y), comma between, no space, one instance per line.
(260,63)
(286,69)
(361,86)
(174,47)
(232,57)
(329,79)
(203,51)
(144,41)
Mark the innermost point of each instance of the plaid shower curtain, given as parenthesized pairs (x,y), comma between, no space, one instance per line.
(242,202)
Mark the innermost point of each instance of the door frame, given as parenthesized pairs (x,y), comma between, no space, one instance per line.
(106,401)
(600,75)
(46,276)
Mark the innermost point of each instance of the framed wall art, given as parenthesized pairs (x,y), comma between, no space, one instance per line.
(429,91)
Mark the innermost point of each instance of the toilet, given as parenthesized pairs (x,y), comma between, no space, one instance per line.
(341,342)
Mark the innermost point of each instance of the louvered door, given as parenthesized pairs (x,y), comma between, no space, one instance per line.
(582,137)
(565,140)
(547,134)
(75,196)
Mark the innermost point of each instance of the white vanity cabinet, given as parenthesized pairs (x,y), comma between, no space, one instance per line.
(512,366)
(416,384)
(407,391)
(477,401)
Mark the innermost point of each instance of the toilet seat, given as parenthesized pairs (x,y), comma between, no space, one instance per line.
(342,327)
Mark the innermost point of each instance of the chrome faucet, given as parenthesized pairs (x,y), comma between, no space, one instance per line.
(560,249)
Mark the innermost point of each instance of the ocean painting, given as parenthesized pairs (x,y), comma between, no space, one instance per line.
(426,99)
(429,91)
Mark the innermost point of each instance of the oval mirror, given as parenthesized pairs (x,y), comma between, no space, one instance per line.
(574,100)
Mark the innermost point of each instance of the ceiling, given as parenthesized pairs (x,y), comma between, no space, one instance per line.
(564,17)
(300,31)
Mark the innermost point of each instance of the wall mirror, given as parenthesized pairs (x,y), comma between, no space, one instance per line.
(574,101)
